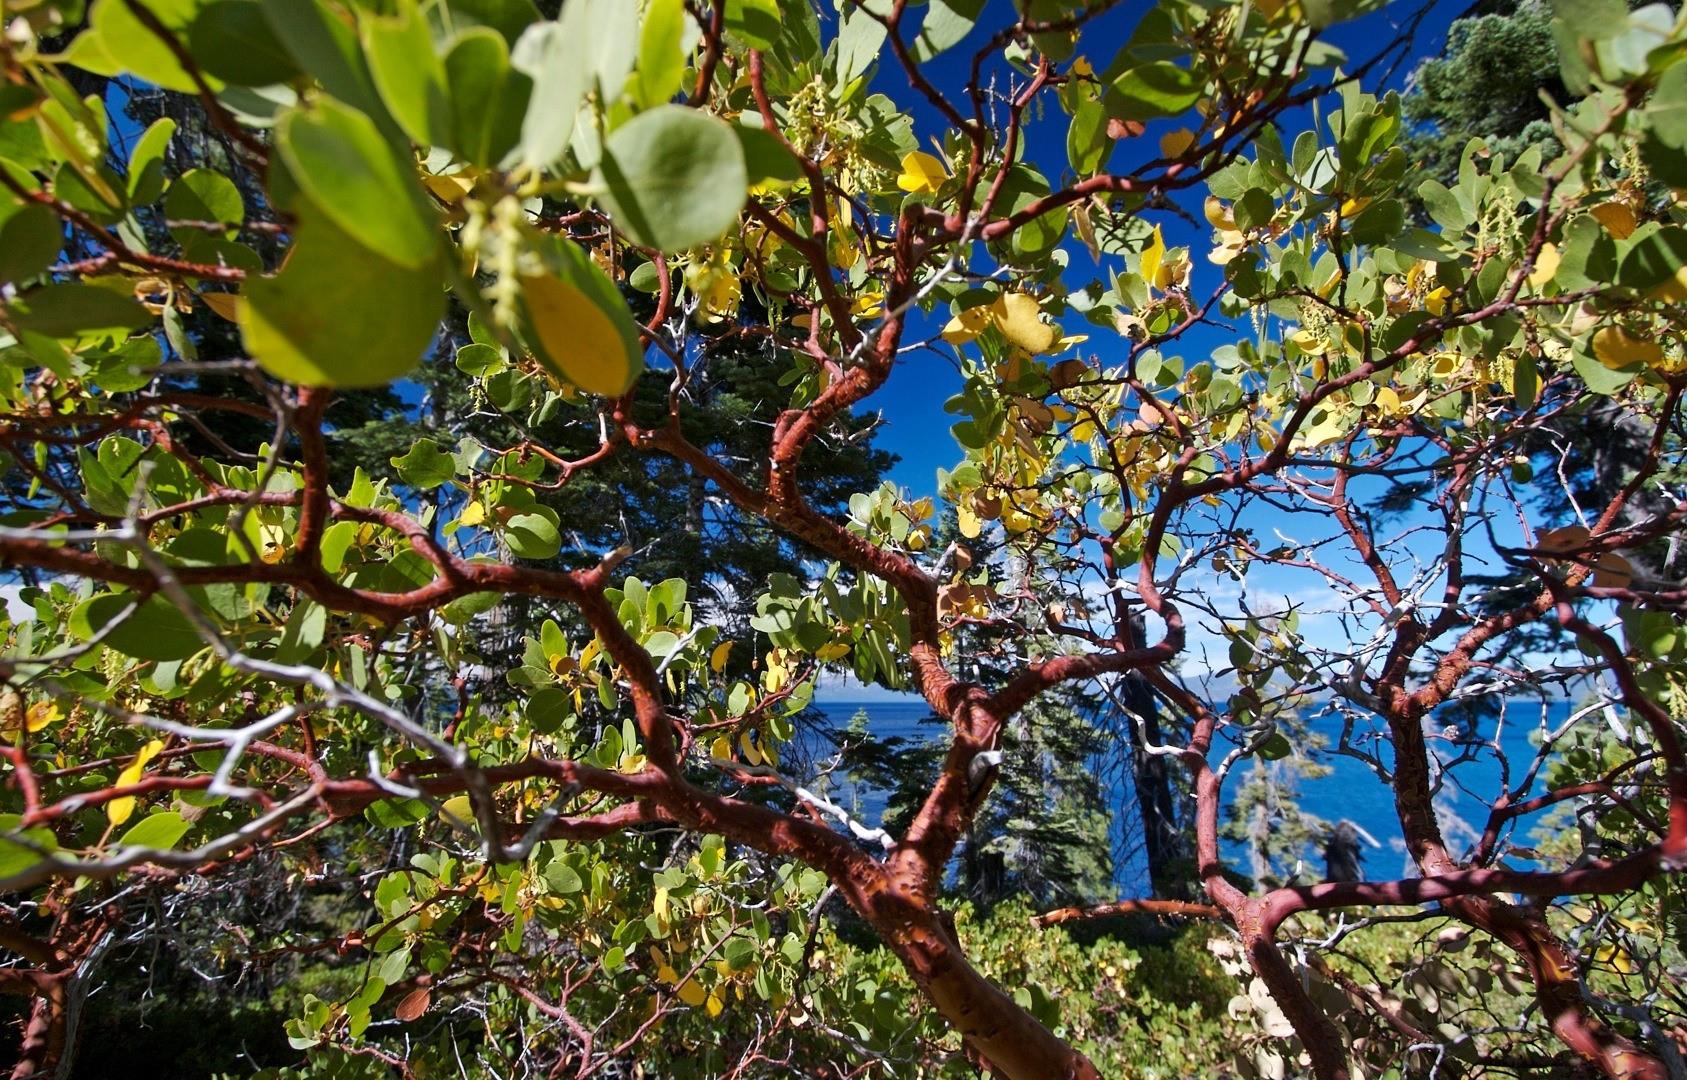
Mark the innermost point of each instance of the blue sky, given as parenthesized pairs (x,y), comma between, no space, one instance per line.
(915,425)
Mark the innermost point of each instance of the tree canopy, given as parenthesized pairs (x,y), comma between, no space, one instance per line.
(439,470)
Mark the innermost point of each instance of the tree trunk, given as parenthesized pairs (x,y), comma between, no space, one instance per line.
(1014,1043)
(1162,844)
(1557,990)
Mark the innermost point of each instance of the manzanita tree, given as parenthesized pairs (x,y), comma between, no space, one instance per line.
(220,661)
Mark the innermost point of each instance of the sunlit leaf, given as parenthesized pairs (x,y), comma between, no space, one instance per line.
(672,177)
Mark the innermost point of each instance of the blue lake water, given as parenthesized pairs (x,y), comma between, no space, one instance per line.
(1474,775)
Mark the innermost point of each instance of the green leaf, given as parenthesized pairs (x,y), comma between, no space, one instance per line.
(1254,209)
(739,952)
(146,162)
(393,967)
(1592,19)
(480,360)
(765,159)
(15,858)
(547,708)
(1600,379)
(326,47)
(160,830)
(77,310)
(1276,747)
(341,161)
(233,40)
(122,44)
(534,535)
(1654,259)
(1378,223)
(300,327)
(554,57)
(157,630)
(488,97)
(1525,380)
(578,324)
(29,242)
(754,22)
(1444,206)
(610,30)
(408,74)
(426,466)
(306,626)
(336,541)
(396,814)
(946,22)
(1087,142)
(563,879)
(507,17)
(1588,256)
(661,52)
(204,195)
(465,608)
(1664,147)
(1156,89)
(860,37)
(673,177)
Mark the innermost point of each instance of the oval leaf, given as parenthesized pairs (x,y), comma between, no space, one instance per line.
(341,161)
(579,325)
(299,326)
(672,178)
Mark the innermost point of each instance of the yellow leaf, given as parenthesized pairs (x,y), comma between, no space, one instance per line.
(1445,365)
(1174,143)
(1309,341)
(459,807)
(1019,317)
(748,747)
(1219,216)
(868,304)
(473,514)
(1436,301)
(691,993)
(449,189)
(1672,290)
(721,748)
(1617,348)
(225,304)
(966,325)
(579,336)
(718,658)
(720,290)
(716,1003)
(1617,218)
(968,521)
(1546,265)
(921,173)
(1152,257)
(41,714)
(118,810)
(832,650)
